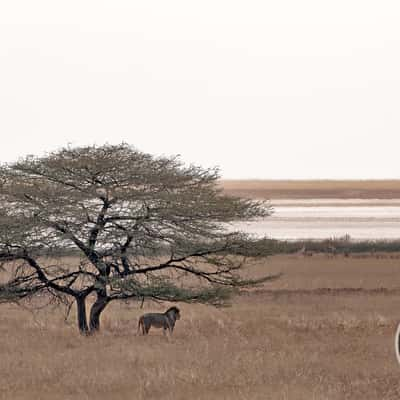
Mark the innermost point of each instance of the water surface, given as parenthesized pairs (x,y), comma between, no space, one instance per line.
(328,218)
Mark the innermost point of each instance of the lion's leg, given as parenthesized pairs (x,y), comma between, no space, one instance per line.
(140,326)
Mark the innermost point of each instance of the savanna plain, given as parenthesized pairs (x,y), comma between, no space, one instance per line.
(323,330)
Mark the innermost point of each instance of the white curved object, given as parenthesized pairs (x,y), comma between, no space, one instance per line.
(397,343)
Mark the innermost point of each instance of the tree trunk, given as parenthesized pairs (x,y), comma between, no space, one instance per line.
(81,313)
(97,308)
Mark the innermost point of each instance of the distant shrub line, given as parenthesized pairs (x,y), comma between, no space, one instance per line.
(342,245)
(268,247)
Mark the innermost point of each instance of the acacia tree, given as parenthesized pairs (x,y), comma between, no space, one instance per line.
(138,227)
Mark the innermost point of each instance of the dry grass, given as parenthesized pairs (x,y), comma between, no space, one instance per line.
(273,189)
(293,342)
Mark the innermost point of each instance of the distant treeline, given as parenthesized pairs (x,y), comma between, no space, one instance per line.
(268,247)
(343,245)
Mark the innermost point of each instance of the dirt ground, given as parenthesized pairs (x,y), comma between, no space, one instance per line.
(275,189)
(324,330)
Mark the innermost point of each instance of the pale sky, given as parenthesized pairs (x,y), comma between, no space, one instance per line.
(263,89)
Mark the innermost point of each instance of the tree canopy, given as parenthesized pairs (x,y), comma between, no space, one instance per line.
(138,227)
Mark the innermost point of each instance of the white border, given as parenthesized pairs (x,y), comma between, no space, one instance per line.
(397,344)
